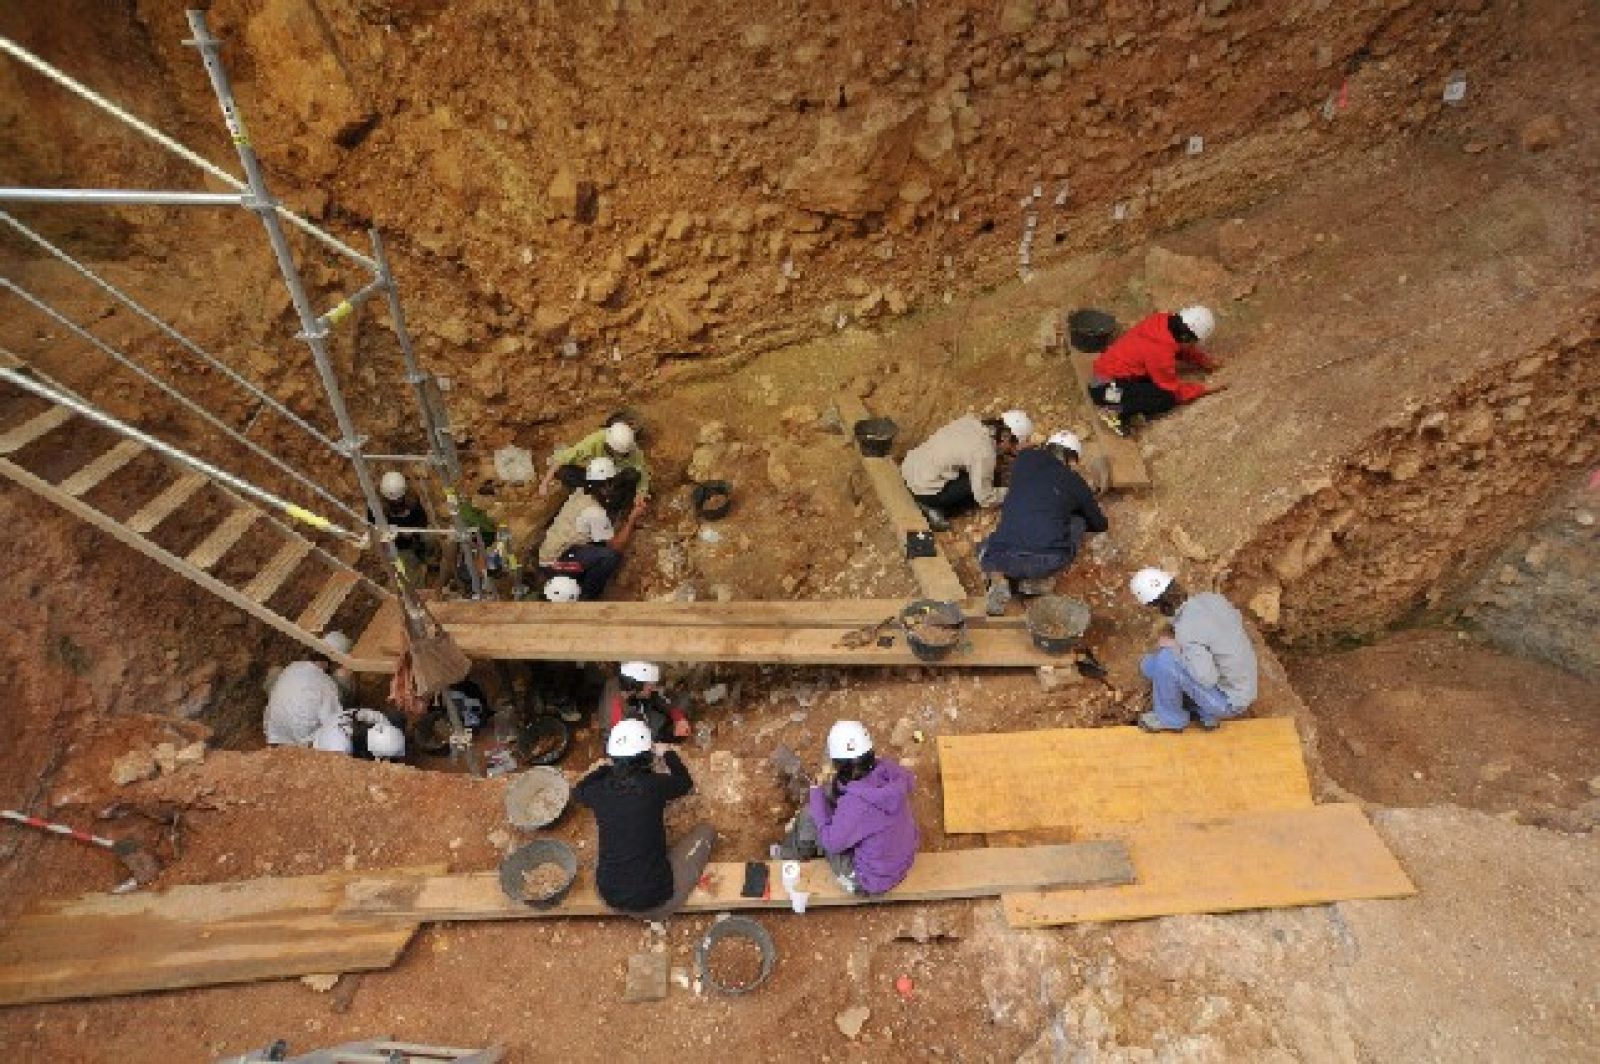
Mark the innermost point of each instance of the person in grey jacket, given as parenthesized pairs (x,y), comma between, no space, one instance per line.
(954,469)
(1204,667)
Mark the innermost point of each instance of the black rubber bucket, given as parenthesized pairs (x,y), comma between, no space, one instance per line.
(712,499)
(735,927)
(1057,623)
(526,859)
(932,628)
(875,436)
(1091,330)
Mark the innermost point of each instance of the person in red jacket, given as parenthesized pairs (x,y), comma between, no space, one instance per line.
(1138,375)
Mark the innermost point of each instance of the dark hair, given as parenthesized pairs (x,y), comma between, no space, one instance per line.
(1064,455)
(627,772)
(1180,330)
(998,429)
(630,686)
(851,769)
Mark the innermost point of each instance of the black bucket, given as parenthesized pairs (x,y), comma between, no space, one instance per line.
(1091,330)
(875,436)
(712,499)
(735,927)
(526,859)
(1057,623)
(932,628)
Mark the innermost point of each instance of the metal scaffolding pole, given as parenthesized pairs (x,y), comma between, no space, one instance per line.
(440,445)
(100,197)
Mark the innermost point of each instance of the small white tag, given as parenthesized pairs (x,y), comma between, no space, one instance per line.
(1197,144)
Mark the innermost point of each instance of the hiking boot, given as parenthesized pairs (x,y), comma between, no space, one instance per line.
(1040,586)
(1116,422)
(999,597)
(1151,723)
(1210,723)
(936,518)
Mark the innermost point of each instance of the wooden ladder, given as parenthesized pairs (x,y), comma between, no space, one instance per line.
(339,579)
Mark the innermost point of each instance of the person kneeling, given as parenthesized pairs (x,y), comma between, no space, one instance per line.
(636,873)
(861,820)
(639,697)
(1205,665)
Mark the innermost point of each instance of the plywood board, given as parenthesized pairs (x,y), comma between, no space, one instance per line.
(1271,860)
(1088,777)
(934,877)
(103,945)
(1128,469)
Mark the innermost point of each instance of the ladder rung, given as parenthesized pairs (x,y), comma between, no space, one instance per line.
(224,536)
(124,452)
(328,600)
(265,583)
(162,506)
(18,438)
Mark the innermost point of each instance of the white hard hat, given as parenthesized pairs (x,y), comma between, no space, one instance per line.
(385,740)
(1020,424)
(1200,321)
(601,468)
(594,525)
(1148,584)
(562,589)
(848,740)
(393,486)
(642,671)
(619,437)
(1069,440)
(628,739)
(331,738)
(338,641)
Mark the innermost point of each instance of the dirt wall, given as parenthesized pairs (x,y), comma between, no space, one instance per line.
(1415,514)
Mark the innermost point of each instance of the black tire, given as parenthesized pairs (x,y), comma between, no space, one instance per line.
(544,740)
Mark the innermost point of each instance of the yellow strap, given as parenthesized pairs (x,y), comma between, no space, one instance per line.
(306,517)
(340,312)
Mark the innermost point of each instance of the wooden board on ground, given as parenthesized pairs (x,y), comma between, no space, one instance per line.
(1128,470)
(935,876)
(103,945)
(935,576)
(1089,777)
(1270,860)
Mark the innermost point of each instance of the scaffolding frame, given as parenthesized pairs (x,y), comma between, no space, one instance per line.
(253,194)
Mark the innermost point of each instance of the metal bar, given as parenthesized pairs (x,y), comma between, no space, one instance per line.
(239,484)
(448,472)
(99,197)
(312,332)
(400,458)
(178,337)
(182,399)
(72,85)
(345,307)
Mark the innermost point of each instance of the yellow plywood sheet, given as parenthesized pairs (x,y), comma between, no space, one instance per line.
(1251,861)
(1090,777)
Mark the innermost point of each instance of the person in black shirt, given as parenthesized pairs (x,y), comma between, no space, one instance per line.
(636,873)
(1047,514)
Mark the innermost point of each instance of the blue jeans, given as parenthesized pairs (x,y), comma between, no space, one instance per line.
(1175,694)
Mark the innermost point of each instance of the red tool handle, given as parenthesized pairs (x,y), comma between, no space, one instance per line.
(57,829)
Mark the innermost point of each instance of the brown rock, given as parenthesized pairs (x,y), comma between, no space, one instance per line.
(551,323)
(672,318)
(1237,244)
(133,766)
(1018,16)
(569,196)
(1540,133)
(858,163)
(1267,604)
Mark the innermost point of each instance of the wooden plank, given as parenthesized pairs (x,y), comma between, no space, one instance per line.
(1126,458)
(845,614)
(384,635)
(935,576)
(108,463)
(1263,860)
(166,504)
(316,615)
(1091,777)
(222,538)
(191,936)
(14,440)
(272,576)
(983,647)
(935,877)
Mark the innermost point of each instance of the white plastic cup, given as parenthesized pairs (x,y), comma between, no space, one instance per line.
(791,875)
(798,899)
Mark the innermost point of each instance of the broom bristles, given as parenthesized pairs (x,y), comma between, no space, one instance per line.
(436,663)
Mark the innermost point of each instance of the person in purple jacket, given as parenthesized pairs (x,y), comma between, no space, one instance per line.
(861,820)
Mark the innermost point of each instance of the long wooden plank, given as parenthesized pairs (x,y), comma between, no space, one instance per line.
(317,614)
(983,647)
(935,877)
(845,614)
(1267,860)
(190,936)
(264,584)
(166,504)
(13,440)
(935,576)
(1126,459)
(108,463)
(221,539)
(1091,777)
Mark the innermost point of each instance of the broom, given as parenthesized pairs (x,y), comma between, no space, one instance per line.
(436,661)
